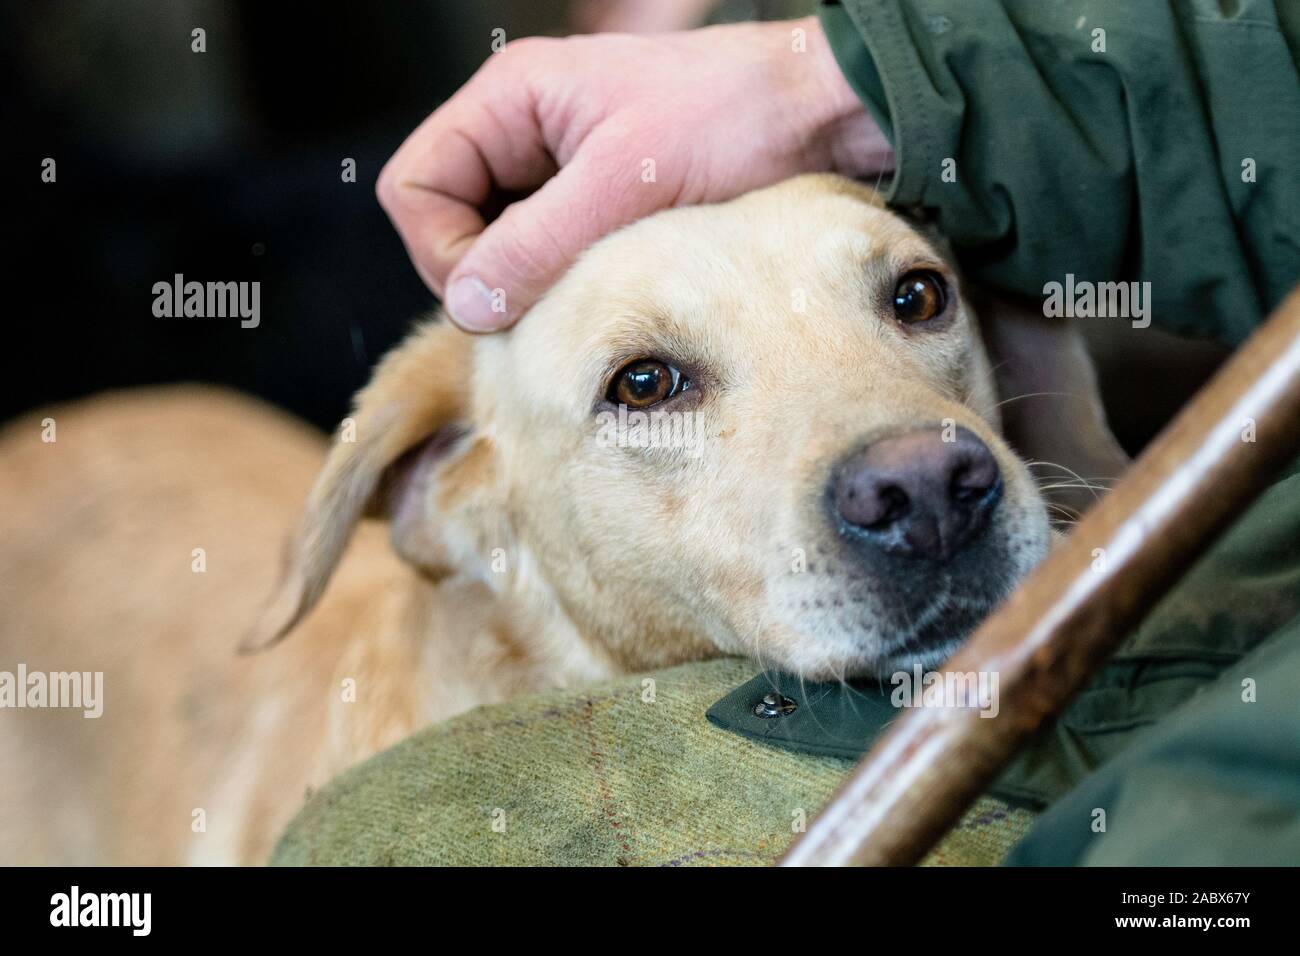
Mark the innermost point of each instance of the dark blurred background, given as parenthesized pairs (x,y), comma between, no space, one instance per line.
(226,166)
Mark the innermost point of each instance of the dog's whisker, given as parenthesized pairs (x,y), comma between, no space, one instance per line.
(1091,486)
(1016,398)
(1067,485)
(1095,484)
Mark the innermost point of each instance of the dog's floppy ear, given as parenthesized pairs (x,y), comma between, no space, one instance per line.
(1052,412)
(408,417)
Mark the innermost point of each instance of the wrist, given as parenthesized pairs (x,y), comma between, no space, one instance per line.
(846,133)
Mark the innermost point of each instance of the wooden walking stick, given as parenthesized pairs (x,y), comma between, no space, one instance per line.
(1070,613)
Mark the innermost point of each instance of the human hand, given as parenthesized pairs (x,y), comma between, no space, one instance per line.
(603,130)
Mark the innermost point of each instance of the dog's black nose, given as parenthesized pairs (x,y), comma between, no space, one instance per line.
(916,494)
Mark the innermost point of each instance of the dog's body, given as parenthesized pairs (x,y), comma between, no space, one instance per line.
(142,542)
(133,484)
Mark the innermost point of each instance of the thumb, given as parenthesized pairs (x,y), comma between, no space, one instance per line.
(521,254)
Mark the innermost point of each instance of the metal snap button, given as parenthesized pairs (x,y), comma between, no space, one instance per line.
(774,705)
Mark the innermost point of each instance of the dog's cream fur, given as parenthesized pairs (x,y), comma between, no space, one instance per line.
(518,551)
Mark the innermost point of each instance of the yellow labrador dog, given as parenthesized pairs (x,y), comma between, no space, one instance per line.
(766,428)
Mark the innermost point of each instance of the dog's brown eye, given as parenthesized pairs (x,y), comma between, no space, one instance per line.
(920,296)
(646,382)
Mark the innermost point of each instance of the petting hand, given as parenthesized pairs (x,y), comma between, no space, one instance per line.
(600,130)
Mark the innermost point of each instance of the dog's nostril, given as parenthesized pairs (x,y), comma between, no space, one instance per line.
(869,499)
(895,503)
(973,480)
(916,494)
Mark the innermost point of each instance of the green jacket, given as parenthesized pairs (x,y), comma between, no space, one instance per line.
(1161,149)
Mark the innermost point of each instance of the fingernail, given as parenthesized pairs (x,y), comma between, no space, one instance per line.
(473,306)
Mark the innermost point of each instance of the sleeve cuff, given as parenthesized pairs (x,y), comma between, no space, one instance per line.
(887,82)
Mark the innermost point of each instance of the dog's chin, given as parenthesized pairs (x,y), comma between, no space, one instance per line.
(931,645)
(878,658)
(928,659)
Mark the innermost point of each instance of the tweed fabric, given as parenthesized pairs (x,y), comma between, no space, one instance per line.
(625,774)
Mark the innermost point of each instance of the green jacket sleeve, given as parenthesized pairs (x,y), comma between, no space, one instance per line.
(1219,785)
(1104,139)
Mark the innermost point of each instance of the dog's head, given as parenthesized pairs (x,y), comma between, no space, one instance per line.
(766,427)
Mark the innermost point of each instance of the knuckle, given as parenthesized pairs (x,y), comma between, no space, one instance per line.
(388,188)
(524,47)
(385,187)
(523,58)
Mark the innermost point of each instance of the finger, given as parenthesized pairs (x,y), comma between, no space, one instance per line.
(534,241)
(484,139)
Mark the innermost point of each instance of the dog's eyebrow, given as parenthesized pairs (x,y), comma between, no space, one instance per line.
(666,348)
(642,335)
